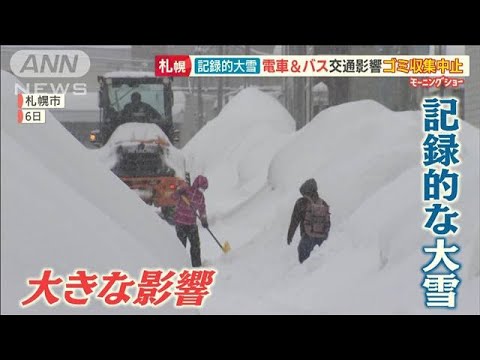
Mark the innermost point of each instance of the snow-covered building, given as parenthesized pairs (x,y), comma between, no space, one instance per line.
(394,93)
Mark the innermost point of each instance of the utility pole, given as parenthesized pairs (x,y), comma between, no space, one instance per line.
(199,103)
(247,52)
(299,103)
(199,51)
(284,80)
(220,86)
(442,51)
(308,92)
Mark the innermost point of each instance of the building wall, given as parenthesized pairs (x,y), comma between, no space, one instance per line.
(472,87)
(394,93)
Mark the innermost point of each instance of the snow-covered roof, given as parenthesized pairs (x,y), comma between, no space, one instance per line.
(129,74)
(320,87)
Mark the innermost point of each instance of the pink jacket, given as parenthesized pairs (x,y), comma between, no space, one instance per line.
(184,213)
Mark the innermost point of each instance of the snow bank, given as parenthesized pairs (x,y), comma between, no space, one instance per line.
(367,162)
(63,209)
(351,150)
(235,148)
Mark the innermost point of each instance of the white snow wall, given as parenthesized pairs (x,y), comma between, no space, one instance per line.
(63,209)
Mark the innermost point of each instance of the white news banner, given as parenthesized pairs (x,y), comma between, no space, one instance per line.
(31,107)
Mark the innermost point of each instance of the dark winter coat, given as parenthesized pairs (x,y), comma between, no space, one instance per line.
(184,213)
(308,188)
(140,112)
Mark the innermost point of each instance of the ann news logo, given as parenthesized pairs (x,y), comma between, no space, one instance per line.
(50,63)
(34,98)
(43,64)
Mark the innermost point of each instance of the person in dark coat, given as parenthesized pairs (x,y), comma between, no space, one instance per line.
(139,111)
(307,242)
(185,215)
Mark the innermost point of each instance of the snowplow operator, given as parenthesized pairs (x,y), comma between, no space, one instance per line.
(138,111)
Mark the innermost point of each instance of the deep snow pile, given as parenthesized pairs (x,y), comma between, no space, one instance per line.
(235,148)
(367,162)
(63,209)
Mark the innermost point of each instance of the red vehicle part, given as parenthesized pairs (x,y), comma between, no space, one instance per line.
(155,190)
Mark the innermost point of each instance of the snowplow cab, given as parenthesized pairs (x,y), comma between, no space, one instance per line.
(117,106)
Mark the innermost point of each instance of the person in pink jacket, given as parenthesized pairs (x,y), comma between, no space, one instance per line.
(190,199)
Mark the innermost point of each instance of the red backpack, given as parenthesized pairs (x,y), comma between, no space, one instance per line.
(317,218)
